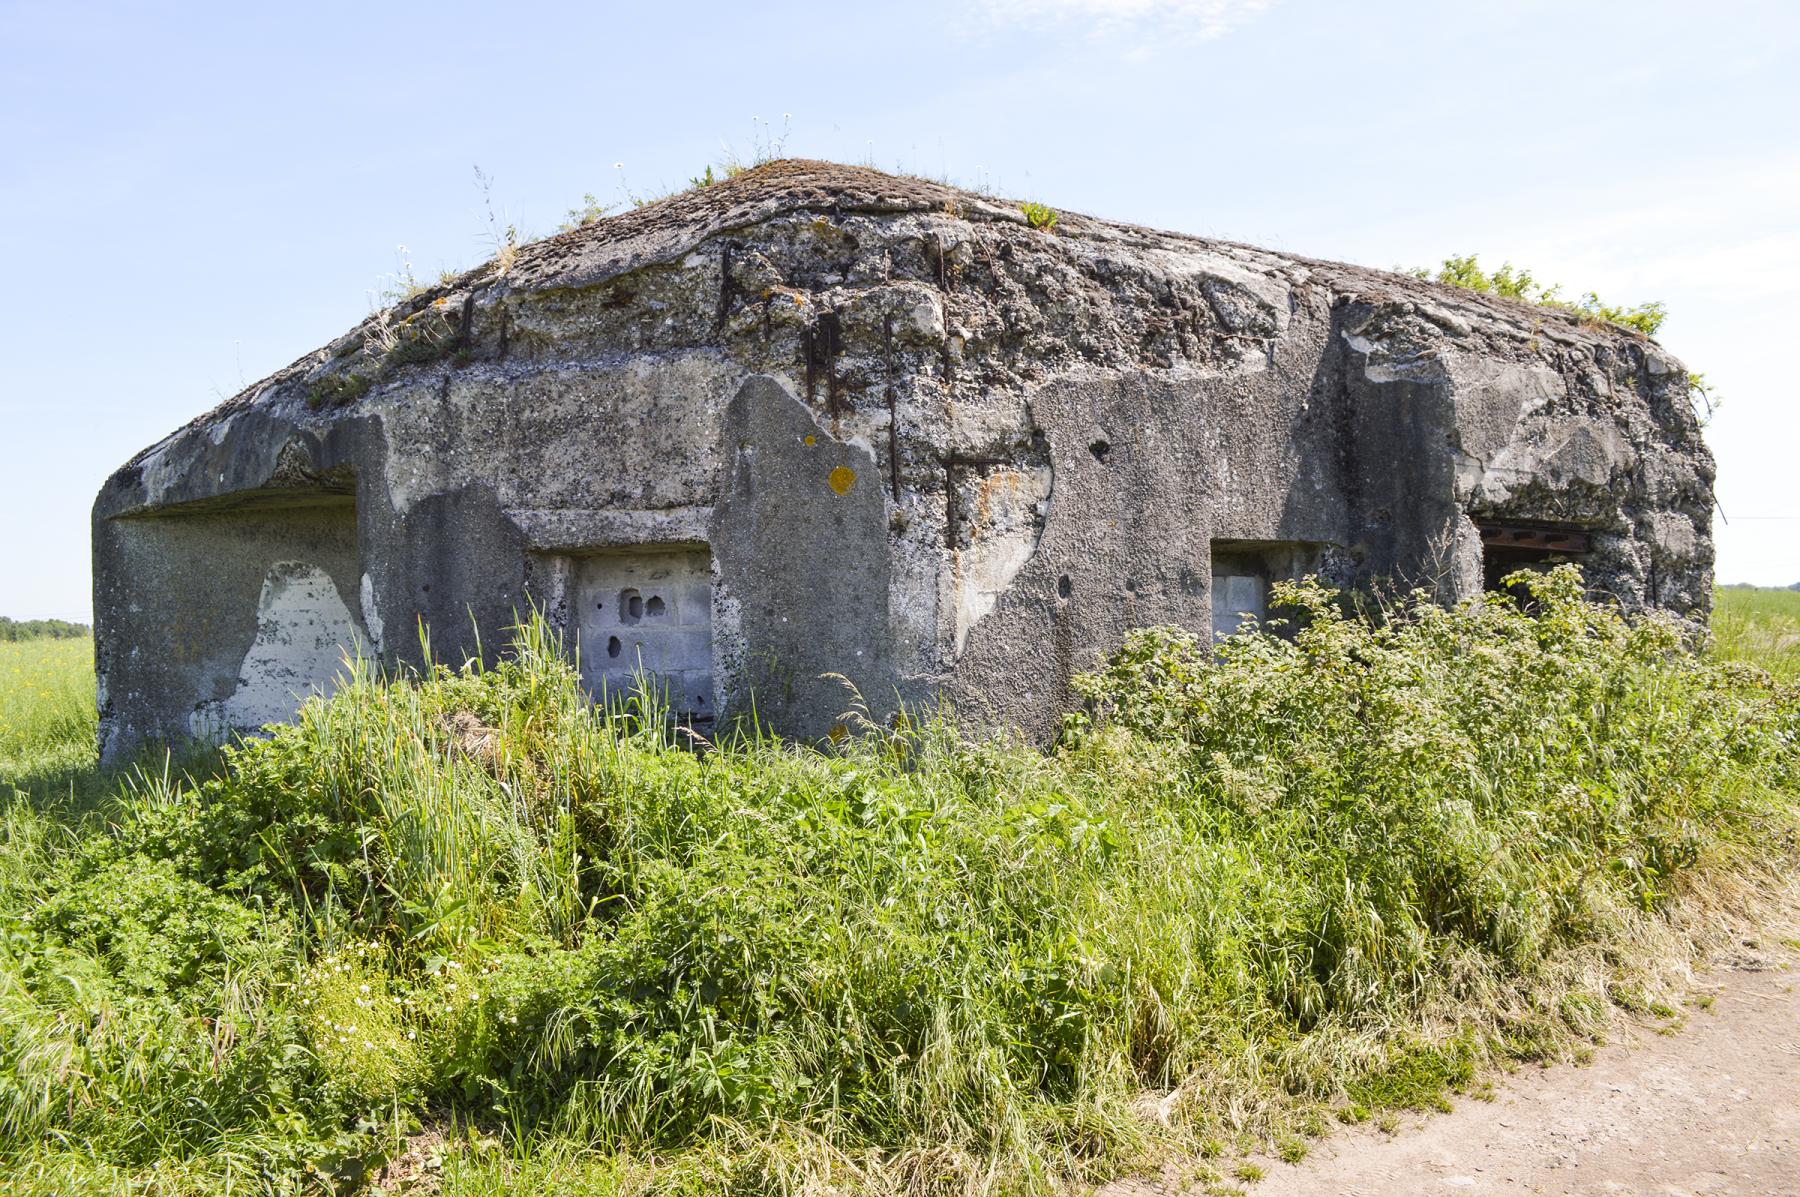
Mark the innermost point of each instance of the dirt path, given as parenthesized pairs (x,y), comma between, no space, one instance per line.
(1712,1109)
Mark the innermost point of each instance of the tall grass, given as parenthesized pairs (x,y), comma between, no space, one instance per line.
(46,705)
(1759,627)
(1299,877)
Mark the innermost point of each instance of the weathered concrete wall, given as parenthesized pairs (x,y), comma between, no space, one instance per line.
(219,620)
(924,447)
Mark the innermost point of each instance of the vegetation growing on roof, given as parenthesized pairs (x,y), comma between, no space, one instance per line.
(584,214)
(337,390)
(1513,283)
(1039,216)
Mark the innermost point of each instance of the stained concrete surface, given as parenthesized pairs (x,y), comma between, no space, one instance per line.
(930,450)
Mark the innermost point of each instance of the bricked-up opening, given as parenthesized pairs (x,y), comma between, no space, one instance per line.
(1507,547)
(648,609)
(1243,571)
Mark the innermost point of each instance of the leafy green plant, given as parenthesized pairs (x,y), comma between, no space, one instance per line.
(584,214)
(1257,883)
(1039,217)
(1465,271)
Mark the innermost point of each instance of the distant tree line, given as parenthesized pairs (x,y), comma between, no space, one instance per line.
(40,629)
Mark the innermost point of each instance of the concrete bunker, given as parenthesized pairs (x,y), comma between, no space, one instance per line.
(818,421)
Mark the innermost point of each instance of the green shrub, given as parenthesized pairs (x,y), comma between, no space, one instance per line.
(1465,271)
(42,629)
(1259,881)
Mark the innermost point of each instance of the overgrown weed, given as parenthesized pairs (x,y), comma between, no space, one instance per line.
(1259,884)
(1465,271)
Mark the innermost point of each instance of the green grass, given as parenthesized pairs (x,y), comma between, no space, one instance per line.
(1329,876)
(46,707)
(1759,627)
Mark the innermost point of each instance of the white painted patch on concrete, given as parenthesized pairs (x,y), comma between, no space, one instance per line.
(304,631)
(1006,519)
(371,613)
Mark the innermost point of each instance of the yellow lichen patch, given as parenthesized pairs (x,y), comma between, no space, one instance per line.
(811,439)
(841,480)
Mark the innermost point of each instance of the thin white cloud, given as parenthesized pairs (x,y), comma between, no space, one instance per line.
(1140,24)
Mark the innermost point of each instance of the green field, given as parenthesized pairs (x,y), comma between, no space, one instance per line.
(461,928)
(46,708)
(1760,627)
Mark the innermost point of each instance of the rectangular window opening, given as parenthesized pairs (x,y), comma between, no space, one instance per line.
(1243,572)
(1509,547)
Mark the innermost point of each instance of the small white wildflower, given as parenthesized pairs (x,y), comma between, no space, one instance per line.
(365,989)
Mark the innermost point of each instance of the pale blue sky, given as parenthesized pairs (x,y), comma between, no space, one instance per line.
(193,195)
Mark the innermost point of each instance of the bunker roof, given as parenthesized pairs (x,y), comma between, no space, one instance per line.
(667,229)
